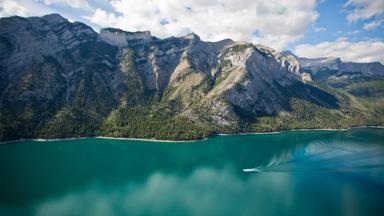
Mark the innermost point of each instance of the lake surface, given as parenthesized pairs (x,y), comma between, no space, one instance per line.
(291,173)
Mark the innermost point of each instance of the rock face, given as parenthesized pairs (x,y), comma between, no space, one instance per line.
(121,38)
(54,73)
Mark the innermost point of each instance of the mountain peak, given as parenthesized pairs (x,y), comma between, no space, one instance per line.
(120,31)
(192,36)
(54,18)
(287,53)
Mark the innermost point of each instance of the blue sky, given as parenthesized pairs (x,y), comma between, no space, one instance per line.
(333,23)
(350,29)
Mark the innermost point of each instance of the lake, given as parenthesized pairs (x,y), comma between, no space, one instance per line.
(290,173)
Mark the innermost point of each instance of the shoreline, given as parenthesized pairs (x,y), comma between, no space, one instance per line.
(195,140)
(301,130)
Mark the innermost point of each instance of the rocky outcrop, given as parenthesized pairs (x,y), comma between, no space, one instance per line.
(121,38)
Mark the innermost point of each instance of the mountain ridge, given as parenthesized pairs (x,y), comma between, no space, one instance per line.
(62,79)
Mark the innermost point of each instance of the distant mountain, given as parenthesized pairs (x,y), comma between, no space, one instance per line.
(360,79)
(320,64)
(62,79)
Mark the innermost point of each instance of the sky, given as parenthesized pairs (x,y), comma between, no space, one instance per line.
(350,29)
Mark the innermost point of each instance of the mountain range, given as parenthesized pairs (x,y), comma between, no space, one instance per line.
(62,79)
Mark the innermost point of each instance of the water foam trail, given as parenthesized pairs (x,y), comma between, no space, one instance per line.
(326,157)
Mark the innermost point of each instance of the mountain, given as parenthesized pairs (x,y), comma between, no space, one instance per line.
(332,70)
(316,65)
(62,79)
(359,79)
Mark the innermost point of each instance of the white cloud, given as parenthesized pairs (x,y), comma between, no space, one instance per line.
(319,29)
(353,32)
(373,24)
(27,8)
(362,51)
(275,23)
(72,3)
(10,8)
(364,9)
(103,18)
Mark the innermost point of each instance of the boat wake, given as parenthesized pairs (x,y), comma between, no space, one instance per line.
(326,157)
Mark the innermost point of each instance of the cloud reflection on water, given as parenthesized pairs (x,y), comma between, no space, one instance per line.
(208,191)
(281,189)
(205,192)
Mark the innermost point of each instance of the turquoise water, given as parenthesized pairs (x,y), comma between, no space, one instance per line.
(292,173)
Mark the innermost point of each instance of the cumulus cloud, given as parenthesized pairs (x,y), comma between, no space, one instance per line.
(27,8)
(364,9)
(275,23)
(373,24)
(71,3)
(10,8)
(362,51)
(103,18)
